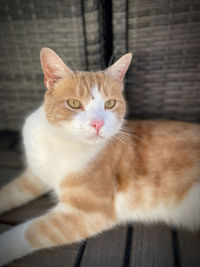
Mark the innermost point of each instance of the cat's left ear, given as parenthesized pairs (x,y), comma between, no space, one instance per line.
(53,67)
(119,68)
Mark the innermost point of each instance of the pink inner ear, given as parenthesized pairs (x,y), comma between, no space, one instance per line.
(119,68)
(53,73)
(118,71)
(121,74)
(50,82)
(53,67)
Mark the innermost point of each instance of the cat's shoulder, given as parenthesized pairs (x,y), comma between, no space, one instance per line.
(156,126)
(33,125)
(34,118)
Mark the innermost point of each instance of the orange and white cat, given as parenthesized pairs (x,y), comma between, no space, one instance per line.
(103,169)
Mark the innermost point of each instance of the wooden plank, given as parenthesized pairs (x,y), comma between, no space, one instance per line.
(189,248)
(151,246)
(30,210)
(7,175)
(106,249)
(61,256)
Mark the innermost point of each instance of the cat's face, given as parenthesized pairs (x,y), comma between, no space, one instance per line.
(90,106)
(83,105)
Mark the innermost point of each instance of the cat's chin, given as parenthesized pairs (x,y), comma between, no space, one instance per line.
(95,139)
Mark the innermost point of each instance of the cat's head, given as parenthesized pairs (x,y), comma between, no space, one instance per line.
(88,106)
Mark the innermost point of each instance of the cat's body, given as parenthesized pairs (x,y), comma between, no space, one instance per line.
(101,174)
(147,174)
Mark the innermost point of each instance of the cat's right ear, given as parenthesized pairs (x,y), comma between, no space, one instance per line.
(53,67)
(119,68)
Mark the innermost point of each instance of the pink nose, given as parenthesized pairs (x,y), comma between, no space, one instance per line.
(97,124)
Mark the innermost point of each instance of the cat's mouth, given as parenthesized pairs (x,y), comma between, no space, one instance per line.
(95,136)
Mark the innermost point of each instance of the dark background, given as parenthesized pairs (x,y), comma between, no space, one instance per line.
(164,37)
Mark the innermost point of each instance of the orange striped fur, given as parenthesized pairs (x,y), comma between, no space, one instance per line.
(23,189)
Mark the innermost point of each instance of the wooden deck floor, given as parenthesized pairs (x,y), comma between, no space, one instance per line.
(125,246)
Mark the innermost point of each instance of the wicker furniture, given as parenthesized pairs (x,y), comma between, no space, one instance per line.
(71,27)
(163,35)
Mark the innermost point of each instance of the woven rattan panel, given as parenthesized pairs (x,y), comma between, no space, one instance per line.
(70,27)
(164,37)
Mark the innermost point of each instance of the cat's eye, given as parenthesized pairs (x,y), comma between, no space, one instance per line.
(74,103)
(110,104)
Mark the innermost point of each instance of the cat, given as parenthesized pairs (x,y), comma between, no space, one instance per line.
(104,170)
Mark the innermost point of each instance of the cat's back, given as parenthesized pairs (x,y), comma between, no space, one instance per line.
(163,134)
(164,128)
(171,144)
(160,153)
(163,177)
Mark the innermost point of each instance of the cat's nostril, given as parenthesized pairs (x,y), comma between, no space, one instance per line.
(97,124)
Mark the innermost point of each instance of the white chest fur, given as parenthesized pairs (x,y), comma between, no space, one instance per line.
(52,157)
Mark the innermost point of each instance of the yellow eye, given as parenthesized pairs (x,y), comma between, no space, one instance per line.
(110,104)
(74,103)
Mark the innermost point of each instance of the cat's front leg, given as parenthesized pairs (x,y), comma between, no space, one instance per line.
(21,190)
(62,225)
